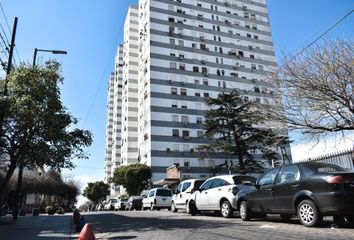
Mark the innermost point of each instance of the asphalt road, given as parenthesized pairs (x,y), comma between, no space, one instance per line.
(167,225)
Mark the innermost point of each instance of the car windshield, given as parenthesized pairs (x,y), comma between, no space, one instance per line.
(163,193)
(124,200)
(325,168)
(245,180)
(113,200)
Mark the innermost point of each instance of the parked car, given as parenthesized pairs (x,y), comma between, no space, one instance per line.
(99,207)
(308,190)
(219,194)
(183,193)
(110,204)
(134,203)
(120,204)
(158,198)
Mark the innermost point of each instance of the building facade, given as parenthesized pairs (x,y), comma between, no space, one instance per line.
(188,51)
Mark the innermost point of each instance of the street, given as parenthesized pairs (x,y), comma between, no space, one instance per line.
(167,225)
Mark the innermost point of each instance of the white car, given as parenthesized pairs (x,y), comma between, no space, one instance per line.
(110,204)
(158,198)
(183,193)
(219,194)
(120,204)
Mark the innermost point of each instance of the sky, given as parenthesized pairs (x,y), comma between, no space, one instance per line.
(90,31)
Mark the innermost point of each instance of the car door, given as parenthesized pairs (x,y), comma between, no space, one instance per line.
(287,183)
(216,193)
(184,195)
(177,195)
(261,200)
(201,198)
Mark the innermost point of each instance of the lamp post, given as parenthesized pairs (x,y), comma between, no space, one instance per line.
(45,50)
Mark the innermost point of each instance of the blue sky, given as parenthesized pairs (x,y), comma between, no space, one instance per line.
(91,30)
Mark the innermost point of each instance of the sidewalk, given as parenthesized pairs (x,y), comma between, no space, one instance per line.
(37,227)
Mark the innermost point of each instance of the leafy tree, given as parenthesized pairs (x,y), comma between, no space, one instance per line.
(315,90)
(96,191)
(134,178)
(237,127)
(37,129)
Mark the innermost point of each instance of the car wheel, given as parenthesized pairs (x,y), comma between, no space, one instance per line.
(285,217)
(350,219)
(245,212)
(226,209)
(173,207)
(192,208)
(309,213)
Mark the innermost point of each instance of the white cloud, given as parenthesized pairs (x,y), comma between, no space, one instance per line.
(304,150)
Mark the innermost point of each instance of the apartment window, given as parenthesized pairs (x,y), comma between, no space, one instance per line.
(219,39)
(253,16)
(204,70)
(200,133)
(255,36)
(195,69)
(184,120)
(260,67)
(220,49)
(174,91)
(224,84)
(175,147)
(172,54)
(248,35)
(199,5)
(251,56)
(198,106)
(171,29)
(218,72)
(173,65)
(181,43)
(197,94)
(206,95)
(175,132)
(240,53)
(230,32)
(172,41)
(183,92)
(201,26)
(205,82)
(185,147)
(202,46)
(253,66)
(246,15)
(185,134)
(199,120)
(196,81)
(217,60)
(184,105)
(174,105)
(256,89)
(194,45)
(171,19)
(218,28)
(212,8)
(174,118)
(182,66)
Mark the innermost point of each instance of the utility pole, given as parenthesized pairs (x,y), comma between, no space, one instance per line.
(3,112)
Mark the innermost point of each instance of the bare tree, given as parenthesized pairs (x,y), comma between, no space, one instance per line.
(315,90)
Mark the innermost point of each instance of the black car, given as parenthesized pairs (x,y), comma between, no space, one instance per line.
(134,202)
(310,190)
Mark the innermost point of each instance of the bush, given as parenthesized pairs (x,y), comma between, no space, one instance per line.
(50,210)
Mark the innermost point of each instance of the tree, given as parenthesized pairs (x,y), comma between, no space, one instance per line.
(96,191)
(134,178)
(37,131)
(236,127)
(315,90)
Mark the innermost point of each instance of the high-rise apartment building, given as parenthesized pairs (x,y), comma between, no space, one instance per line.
(188,51)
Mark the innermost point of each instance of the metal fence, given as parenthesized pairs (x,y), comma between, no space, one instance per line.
(345,159)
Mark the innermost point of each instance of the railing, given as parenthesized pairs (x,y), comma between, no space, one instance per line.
(345,159)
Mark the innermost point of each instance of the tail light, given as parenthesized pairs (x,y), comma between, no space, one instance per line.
(340,179)
(234,190)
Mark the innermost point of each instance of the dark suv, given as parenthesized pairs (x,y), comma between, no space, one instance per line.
(310,190)
(134,203)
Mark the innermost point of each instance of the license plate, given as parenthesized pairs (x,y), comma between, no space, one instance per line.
(164,199)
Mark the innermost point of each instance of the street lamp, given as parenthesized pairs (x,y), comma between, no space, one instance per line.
(45,50)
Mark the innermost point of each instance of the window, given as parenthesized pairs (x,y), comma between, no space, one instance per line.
(224,84)
(178,189)
(202,46)
(255,36)
(199,120)
(185,133)
(196,81)
(184,120)
(195,69)
(204,70)
(172,41)
(174,104)
(174,118)
(171,19)
(174,91)
(184,105)
(206,95)
(268,177)
(248,35)
(253,66)
(200,133)
(206,185)
(175,132)
(197,94)
(173,65)
(183,92)
(198,106)
(218,28)
(182,66)
(205,81)
(251,56)
(186,186)
(288,174)
(181,43)
(185,148)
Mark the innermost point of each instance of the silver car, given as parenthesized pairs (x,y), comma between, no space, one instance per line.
(219,194)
